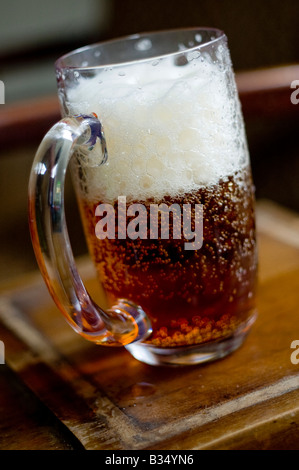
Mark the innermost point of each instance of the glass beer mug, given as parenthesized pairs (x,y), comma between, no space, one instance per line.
(153,133)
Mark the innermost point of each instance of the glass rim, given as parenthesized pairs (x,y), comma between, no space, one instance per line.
(60,62)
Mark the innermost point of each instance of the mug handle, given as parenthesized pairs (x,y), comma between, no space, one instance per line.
(123,323)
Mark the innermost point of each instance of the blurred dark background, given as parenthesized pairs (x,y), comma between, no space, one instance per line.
(33,33)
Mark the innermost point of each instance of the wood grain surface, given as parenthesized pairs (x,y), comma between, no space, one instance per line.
(94,397)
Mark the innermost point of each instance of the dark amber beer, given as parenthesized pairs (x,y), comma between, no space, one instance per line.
(191,297)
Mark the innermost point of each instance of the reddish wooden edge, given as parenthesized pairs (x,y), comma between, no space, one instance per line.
(263,93)
(267,93)
(27,121)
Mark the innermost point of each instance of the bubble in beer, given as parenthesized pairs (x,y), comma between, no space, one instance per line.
(193,55)
(143,45)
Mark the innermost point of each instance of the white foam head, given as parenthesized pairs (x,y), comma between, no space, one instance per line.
(169,129)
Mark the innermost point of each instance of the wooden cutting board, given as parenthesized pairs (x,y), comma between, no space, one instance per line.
(108,400)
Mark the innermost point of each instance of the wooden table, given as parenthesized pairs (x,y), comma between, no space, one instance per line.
(59,391)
